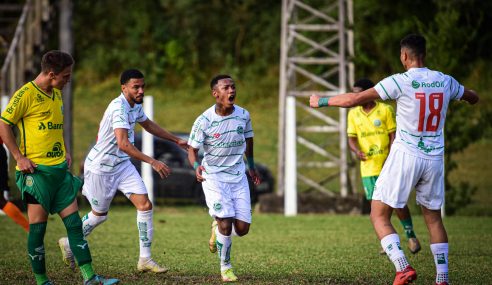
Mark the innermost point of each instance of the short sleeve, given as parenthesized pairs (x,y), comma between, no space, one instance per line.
(390,119)
(248,132)
(456,90)
(389,88)
(17,107)
(119,118)
(351,128)
(197,135)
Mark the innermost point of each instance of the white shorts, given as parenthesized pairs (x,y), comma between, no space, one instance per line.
(228,200)
(402,172)
(100,189)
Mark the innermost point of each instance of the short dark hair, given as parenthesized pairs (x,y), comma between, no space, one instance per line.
(56,61)
(415,43)
(216,79)
(364,83)
(130,74)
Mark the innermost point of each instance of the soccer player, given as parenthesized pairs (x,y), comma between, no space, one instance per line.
(108,168)
(226,134)
(416,157)
(42,174)
(9,208)
(371,131)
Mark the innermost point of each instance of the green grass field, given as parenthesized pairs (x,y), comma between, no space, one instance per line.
(308,249)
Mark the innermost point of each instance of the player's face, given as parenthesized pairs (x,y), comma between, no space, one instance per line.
(61,79)
(134,90)
(225,92)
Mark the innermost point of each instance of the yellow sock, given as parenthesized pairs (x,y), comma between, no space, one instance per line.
(16,215)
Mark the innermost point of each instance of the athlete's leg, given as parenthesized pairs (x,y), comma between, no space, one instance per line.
(406,221)
(438,243)
(11,210)
(38,218)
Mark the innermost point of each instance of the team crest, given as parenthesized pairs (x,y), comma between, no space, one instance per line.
(95,202)
(215,124)
(377,122)
(240,130)
(29,181)
(217,206)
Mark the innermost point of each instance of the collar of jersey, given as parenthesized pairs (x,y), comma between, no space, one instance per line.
(370,112)
(44,93)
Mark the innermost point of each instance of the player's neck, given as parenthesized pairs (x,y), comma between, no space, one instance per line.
(223,111)
(43,83)
(415,64)
(369,106)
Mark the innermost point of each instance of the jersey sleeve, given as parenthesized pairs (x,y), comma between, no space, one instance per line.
(390,119)
(248,132)
(119,118)
(456,90)
(389,88)
(17,107)
(197,135)
(351,129)
(141,117)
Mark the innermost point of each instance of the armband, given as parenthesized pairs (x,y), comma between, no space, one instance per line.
(323,102)
(196,165)
(251,162)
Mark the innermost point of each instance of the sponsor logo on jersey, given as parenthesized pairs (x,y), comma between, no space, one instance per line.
(49,126)
(229,144)
(56,151)
(39,98)
(377,122)
(16,100)
(29,181)
(434,84)
(374,150)
(216,135)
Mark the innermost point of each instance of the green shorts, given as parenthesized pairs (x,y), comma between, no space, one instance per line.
(54,187)
(369,182)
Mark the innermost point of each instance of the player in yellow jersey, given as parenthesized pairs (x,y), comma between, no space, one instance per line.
(42,175)
(371,131)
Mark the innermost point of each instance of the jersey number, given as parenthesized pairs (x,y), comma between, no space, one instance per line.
(435,107)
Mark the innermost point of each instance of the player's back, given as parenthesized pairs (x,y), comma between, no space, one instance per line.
(422,97)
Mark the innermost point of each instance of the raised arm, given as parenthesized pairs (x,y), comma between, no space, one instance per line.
(346,100)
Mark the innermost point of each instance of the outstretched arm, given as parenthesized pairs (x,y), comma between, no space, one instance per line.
(346,100)
(126,146)
(153,128)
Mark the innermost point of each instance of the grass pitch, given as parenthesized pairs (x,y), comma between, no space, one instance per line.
(308,249)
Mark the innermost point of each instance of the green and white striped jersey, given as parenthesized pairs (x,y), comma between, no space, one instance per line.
(422,97)
(224,142)
(105,156)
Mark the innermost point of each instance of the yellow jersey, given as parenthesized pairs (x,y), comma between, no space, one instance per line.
(372,132)
(39,117)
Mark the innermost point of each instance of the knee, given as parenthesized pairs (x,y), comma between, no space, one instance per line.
(242,231)
(146,205)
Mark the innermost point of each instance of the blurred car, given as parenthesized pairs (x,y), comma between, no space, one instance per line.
(181,185)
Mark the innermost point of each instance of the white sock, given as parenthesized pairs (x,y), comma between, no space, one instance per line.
(440,252)
(224,244)
(391,245)
(91,221)
(145,232)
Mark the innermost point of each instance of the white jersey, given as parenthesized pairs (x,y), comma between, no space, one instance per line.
(105,157)
(422,97)
(224,142)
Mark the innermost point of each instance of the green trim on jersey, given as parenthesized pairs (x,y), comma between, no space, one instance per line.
(52,97)
(387,95)
(397,85)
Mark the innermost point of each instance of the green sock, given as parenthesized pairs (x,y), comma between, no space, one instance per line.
(78,244)
(408,227)
(35,249)
(41,278)
(87,271)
